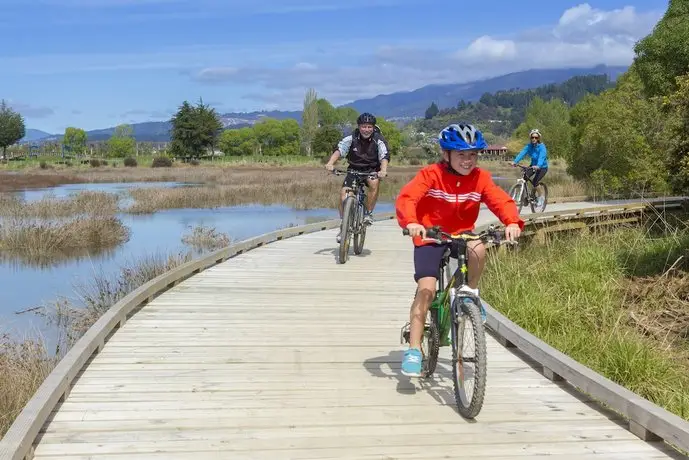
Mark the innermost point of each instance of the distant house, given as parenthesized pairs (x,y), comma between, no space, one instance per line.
(494,150)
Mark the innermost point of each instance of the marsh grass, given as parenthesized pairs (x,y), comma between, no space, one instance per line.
(49,230)
(42,243)
(204,238)
(23,368)
(50,207)
(582,295)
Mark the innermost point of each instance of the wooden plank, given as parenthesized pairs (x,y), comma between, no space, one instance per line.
(239,369)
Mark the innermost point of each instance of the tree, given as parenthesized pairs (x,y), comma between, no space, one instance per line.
(678,158)
(194,129)
(277,137)
(663,55)
(12,128)
(326,140)
(431,111)
(238,142)
(309,124)
(552,120)
(74,140)
(122,144)
(392,134)
(620,139)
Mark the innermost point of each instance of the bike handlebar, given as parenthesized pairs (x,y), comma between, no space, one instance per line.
(372,175)
(490,235)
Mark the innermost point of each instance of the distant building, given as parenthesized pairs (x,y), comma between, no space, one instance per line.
(495,150)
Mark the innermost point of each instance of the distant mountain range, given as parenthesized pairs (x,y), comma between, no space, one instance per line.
(404,105)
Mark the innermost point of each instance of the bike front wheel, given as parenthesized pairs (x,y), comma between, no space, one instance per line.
(360,233)
(517,193)
(469,357)
(346,228)
(430,343)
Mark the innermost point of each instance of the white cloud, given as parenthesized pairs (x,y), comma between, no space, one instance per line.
(490,48)
(584,36)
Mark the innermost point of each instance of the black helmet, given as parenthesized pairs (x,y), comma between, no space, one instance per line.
(366,118)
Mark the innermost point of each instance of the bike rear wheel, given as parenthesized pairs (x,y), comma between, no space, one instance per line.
(517,193)
(346,228)
(430,344)
(469,368)
(360,232)
(541,194)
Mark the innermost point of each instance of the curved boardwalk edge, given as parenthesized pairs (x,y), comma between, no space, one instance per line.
(17,444)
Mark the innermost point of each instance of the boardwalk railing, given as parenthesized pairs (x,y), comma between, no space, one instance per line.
(647,420)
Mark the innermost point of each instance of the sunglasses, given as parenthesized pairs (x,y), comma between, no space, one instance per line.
(534,137)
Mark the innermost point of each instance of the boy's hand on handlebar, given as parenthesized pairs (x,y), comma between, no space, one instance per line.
(416,230)
(512,232)
(329,167)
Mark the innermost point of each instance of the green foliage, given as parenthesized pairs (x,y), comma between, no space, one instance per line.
(277,137)
(238,142)
(12,127)
(678,157)
(663,55)
(618,139)
(552,120)
(122,144)
(326,140)
(74,140)
(194,130)
(392,134)
(498,114)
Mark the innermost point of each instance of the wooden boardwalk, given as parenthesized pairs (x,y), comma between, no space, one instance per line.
(281,353)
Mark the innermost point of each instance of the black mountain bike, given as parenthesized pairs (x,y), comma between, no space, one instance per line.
(353,210)
(460,314)
(523,194)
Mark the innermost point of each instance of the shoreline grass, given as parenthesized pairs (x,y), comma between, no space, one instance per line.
(580,294)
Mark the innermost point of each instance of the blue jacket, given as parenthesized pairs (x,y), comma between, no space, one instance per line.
(537,153)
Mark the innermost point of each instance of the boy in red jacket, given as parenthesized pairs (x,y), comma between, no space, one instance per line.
(448,194)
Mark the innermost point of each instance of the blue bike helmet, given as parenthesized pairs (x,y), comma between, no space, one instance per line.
(461,137)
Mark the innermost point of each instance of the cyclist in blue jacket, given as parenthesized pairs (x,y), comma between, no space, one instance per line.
(539,158)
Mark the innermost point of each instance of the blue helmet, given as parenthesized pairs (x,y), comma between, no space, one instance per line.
(461,137)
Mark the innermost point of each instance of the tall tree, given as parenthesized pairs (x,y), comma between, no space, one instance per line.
(194,129)
(122,143)
(75,140)
(12,128)
(309,122)
(663,55)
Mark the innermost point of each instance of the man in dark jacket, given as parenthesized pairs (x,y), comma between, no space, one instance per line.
(366,151)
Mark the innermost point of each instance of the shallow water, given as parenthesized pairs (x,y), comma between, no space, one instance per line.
(25,287)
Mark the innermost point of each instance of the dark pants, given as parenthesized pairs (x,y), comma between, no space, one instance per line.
(537,177)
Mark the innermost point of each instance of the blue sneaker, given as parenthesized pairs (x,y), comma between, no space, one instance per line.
(411,364)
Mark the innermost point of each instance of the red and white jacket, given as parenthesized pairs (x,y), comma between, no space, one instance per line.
(435,196)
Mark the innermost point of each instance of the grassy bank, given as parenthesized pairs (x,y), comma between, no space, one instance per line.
(616,302)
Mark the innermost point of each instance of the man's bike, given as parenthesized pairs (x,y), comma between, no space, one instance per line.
(522,193)
(459,314)
(353,210)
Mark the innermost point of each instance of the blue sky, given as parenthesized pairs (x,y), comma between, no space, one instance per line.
(97,63)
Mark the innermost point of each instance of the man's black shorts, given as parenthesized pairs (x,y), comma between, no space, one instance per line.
(349,178)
